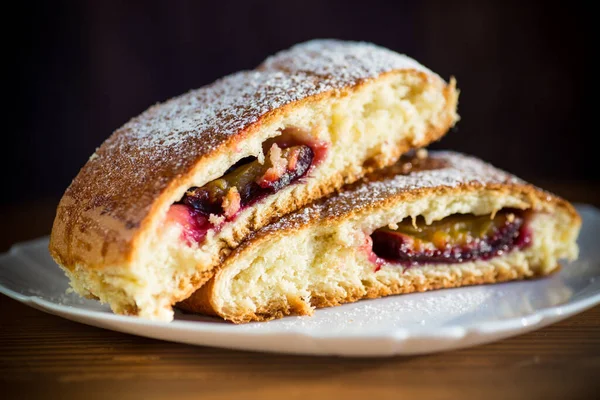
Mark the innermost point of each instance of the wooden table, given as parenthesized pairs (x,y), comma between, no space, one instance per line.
(43,356)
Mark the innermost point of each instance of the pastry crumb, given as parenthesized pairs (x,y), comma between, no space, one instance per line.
(422,154)
(215,219)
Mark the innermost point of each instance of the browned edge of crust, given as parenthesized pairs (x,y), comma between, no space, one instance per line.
(276,310)
(79,240)
(201,300)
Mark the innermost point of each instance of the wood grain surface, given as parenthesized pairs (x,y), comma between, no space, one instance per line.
(43,356)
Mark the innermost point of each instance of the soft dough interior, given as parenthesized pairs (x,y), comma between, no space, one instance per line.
(399,110)
(329,265)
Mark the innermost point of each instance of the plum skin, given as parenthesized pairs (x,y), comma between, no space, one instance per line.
(503,235)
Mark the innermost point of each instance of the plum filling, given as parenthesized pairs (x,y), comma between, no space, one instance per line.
(243,184)
(454,239)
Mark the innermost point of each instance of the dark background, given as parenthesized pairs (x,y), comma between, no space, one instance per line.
(82,69)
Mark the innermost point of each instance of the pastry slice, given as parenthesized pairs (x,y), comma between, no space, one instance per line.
(174,190)
(444,221)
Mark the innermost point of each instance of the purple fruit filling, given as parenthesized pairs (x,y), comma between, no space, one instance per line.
(454,239)
(245,183)
(250,182)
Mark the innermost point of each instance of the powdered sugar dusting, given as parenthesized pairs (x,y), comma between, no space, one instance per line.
(140,159)
(235,102)
(324,58)
(222,109)
(458,170)
(408,311)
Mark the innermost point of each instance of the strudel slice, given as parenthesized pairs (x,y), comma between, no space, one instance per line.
(443,221)
(174,190)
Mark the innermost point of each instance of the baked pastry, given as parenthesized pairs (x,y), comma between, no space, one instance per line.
(170,193)
(427,223)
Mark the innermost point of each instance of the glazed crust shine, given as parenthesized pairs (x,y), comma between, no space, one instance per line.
(109,215)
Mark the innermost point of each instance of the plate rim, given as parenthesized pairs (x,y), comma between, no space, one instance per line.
(499,328)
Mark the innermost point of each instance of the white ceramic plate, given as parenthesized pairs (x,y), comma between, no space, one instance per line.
(408,324)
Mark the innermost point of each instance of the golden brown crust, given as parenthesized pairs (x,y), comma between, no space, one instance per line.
(201,303)
(490,276)
(116,194)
